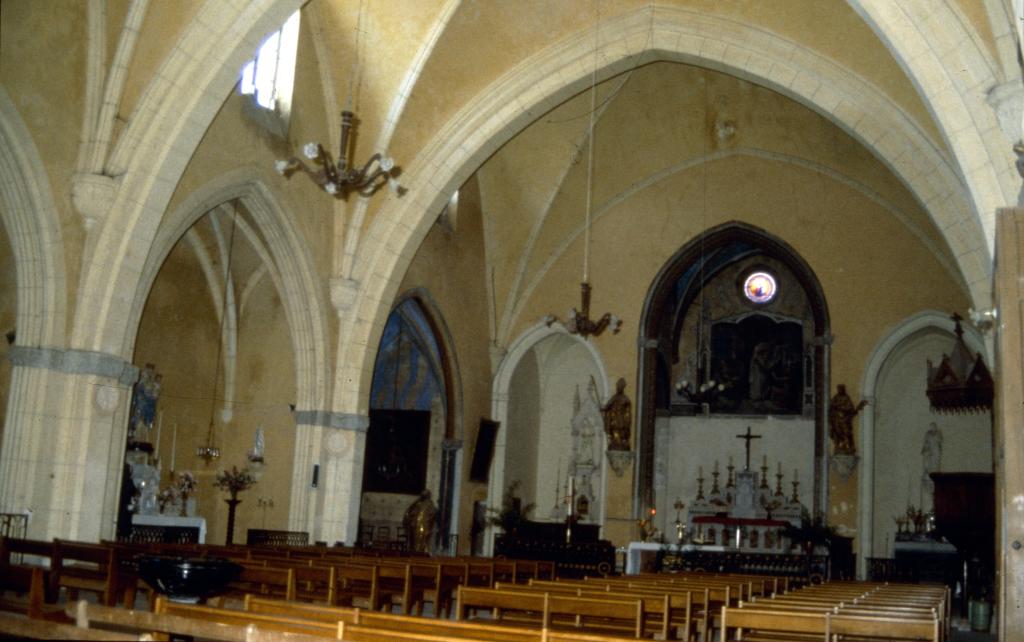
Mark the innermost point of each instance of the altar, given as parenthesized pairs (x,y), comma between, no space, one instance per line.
(197,523)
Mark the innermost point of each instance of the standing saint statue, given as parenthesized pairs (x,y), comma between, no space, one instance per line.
(145,394)
(931,462)
(931,450)
(618,418)
(419,523)
(840,421)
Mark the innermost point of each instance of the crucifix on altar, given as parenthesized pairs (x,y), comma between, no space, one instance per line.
(747,437)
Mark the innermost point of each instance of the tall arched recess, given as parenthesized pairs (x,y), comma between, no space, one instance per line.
(675,287)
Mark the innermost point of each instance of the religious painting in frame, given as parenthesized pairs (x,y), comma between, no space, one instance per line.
(396,451)
(758,362)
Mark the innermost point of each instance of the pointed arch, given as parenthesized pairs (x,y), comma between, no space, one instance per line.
(29,214)
(500,386)
(890,342)
(660,296)
(304,302)
(539,83)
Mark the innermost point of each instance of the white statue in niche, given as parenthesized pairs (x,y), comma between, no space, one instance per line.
(931,462)
(931,449)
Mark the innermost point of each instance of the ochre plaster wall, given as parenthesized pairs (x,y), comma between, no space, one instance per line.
(786,170)
(47,41)
(450,267)
(179,334)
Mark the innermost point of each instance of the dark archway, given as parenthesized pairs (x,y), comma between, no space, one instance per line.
(674,288)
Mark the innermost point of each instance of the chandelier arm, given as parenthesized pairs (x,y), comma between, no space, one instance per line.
(320,177)
(365,170)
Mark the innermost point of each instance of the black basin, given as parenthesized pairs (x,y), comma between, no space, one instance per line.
(187,579)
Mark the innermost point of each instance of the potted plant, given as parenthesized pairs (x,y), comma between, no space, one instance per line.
(234,481)
(512,514)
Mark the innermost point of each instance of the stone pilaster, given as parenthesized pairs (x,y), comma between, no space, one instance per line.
(64,438)
(334,443)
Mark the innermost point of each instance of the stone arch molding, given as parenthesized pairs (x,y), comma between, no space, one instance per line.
(927,319)
(29,214)
(500,395)
(292,269)
(953,75)
(152,153)
(673,34)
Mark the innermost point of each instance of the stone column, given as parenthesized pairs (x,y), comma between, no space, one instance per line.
(447,524)
(335,442)
(64,441)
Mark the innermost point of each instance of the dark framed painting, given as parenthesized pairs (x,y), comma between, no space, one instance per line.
(397,444)
(758,361)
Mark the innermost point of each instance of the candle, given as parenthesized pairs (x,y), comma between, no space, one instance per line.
(159,427)
(730,460)
(700,471)
(716,465)
(780,467)
(796,475)
(764,463)
(174,444)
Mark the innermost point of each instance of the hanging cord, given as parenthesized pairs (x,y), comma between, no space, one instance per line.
(590,152)
(355,79)
(223,321)
(701,361)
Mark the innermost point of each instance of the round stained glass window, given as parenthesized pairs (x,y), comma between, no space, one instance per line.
(760,287)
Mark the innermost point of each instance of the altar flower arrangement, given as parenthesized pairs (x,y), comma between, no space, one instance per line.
(166,496)
(186,486)
(235,481)
(186,483)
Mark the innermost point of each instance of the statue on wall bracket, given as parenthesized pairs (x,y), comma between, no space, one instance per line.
(840,428)
(618,423)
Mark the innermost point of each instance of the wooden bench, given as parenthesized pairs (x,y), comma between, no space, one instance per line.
(273,582)
(15,627)
(185,623)
(795,624)
(550,609)
(31,583)
(77,566)
(270,623)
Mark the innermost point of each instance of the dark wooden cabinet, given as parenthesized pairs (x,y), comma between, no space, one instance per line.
(965,515)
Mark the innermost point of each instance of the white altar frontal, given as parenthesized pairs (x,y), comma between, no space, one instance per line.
(169,520)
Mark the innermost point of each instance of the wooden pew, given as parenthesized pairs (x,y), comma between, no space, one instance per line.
(809,625)
(16,627)
(274,582)
(552,609)
(858,625)
(104,620)
(29,581)
(270,623)
(77,566)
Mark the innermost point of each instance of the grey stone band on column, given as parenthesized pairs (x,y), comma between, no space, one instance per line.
(329,419)
(85,362)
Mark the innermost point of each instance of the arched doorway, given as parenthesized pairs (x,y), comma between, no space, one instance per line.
(894,425)
(722,351)
(411,445)
(548,378)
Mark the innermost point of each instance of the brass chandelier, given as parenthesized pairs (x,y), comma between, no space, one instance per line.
(341,178)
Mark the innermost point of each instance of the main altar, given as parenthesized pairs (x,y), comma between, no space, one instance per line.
(743,521)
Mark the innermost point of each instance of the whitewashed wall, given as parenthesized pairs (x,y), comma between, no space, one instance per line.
(684,443)
(902,415)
